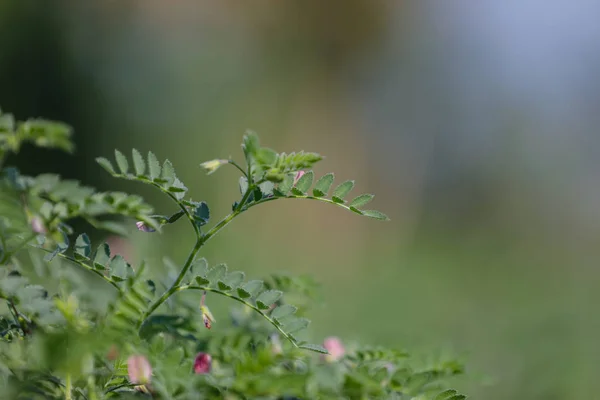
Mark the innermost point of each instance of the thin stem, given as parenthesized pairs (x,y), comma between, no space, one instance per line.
(84,265)
(183,208)
(9,254)
(16,315)
(238,167)
(321,199)
(188,263)
(248,304)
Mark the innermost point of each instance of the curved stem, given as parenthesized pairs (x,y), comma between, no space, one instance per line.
(183,208)
(238,167)
(247,304)
(322,199)
(84,265)
(199,243)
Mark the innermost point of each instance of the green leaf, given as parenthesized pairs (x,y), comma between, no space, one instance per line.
(266,188)
(232,280)
(446,394)
(199,266)
(202,214)
(267,298)
(295,324)
(50,256)
(173,218)
(202,281)
(178,189)
(153,166)
(107,165)
(138,162)
(250,289)
(266,157)
(119,269)
(341,191)
(285,186)
(305,182)
(361,200)
(250,145)
(314,347)
(102,256)
(375,214)
(122,162)
(243,182)
(83,247)
(168,173)
(216,273)
(114,227)
(283,311)
(323,185)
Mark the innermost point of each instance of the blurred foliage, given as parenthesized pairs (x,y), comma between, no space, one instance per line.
(475,129)
(57,340)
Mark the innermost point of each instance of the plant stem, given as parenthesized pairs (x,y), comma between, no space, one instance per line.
(9,254)
(16,315)
(238,167)
(246,303)
(84,265)
(199,243)
(68,387)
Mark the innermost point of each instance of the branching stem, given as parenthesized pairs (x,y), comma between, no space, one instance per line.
(201,241)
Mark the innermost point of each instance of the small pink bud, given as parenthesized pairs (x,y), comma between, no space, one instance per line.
(298,176)
(143,227)
(202,363)
(38,225)
(139,370)
(207,321)
(335,348)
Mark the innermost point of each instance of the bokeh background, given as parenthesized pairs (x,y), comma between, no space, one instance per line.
(475,123)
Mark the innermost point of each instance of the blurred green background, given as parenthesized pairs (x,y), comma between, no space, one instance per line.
(475,123)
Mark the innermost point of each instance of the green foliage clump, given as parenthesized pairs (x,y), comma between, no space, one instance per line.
(62,336)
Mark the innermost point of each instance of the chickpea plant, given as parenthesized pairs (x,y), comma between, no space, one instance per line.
(79,322)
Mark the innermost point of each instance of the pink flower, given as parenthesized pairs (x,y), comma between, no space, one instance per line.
(143,227)
(298,176)
(202,363)
(335,348)
(139,370)
(38,225)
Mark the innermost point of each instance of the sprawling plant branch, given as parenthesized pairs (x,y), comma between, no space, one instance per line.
(201,241)
(85,266)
